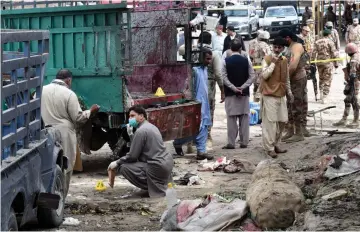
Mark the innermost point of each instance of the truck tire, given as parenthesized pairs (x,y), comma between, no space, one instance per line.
(51,217)
(12,222)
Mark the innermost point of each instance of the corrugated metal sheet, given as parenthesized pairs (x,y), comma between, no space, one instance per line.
(91,44)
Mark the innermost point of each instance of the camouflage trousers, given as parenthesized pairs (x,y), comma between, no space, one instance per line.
(325,78)
(211,96)
(256,90)
(297,111)
(353,102)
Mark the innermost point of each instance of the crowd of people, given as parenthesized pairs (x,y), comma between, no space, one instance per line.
(280,85)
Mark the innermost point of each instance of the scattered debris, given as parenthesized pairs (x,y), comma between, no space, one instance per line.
(233,166)
(210,214)
(344,164)
(270,181)
(239,165)
(335,195)
(194,180)
(205,165)
(249,225)
(69,221)
(185,179)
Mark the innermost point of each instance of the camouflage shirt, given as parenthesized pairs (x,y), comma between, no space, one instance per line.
(325,49)
(353,34)
(355,65)
(334,37)
(257,51)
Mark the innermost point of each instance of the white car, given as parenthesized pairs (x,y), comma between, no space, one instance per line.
(277,18)
(243,18)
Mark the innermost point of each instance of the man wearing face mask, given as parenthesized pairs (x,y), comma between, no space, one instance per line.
(275,85)
(353,33)
(60,109)
(298,59)
(334,34)
(351,91)
(147,165)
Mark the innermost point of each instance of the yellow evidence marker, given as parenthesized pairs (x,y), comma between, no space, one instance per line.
(100,186)
(159,92)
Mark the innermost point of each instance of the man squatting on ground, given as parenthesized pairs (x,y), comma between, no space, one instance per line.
(238,75)
(147,165)
(274,86)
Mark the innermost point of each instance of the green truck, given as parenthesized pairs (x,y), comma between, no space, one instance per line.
(119,56)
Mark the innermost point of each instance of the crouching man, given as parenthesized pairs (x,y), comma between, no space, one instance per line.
(275,85)
(147,165)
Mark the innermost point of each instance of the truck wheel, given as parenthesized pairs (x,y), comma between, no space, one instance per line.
(12,223)
(52,217)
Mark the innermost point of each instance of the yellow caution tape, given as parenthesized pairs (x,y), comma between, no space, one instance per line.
(312,62)
(325,61)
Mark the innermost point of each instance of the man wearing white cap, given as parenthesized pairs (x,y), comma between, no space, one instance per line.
(353,33)
(258,49)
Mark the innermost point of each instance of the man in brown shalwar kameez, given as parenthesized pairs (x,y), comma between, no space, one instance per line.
(238,75)
(275,85)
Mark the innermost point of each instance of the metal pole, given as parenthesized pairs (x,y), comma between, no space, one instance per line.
(340,17)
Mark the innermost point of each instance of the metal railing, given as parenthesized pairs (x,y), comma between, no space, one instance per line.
(22,72)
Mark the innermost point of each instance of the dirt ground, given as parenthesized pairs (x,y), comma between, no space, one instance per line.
(112,210)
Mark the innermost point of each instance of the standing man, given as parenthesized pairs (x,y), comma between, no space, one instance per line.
(353,33)
(147,165)
(275,85)
(330,15)
(214,76)
(351,91)
(60,109)
(298,59)
(305,36)
(238,75)
(231,36)
(199,88)
(334,35)
(325,49)
(258,48)
(217,40)
(307,15)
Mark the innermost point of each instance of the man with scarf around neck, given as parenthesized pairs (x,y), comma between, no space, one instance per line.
(60,109)
(274,86)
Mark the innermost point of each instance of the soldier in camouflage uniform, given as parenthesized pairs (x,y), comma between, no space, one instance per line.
(311,35)
(353,33)
(214,76)
(298,59)
(352,98)
(334,35)
(258,49)
(305,36)
(325,49)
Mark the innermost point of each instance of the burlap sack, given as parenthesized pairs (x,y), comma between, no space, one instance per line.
(272,197)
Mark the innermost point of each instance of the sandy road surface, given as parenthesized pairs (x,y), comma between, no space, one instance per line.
(110,210)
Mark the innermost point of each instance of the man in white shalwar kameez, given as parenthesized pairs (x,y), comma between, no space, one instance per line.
(274,86)
(60,109)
